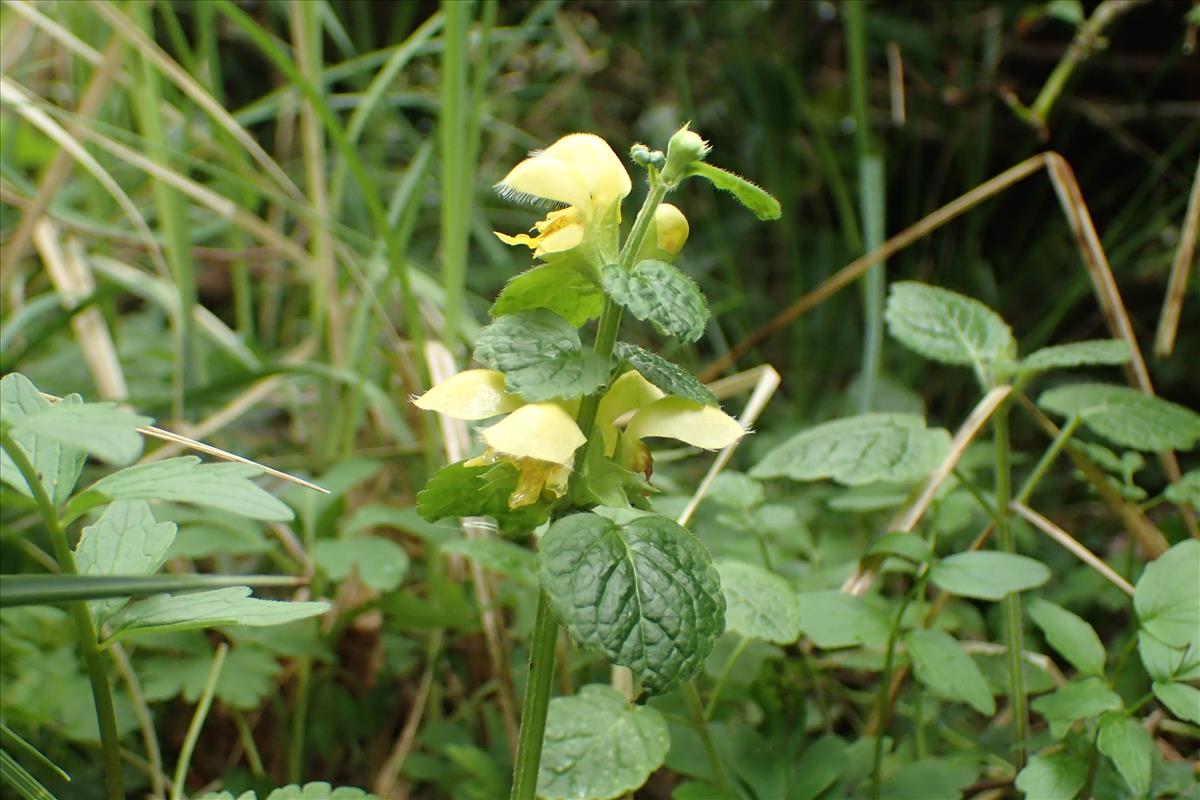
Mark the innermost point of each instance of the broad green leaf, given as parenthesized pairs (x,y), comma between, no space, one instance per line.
(929,779)
(908,546)
(1097,352)
(1076,700)
(381,563)
(246,679)
(186,480)
(940,663)
(1130,747)
(987,575)
(736,490)
(1056,776)
(231,606)
(540,355)
(58,465)
(1070,635)
(855,451)
(317,790)
(461,491)
(758,200)
(565,290)
(126,540)
(101,429)
(1181,699)
(1166,599)
(819,766)
(658,293)
(644,593)
(1125,416)
(1166,662)
(598,746)
(671,378)
(835,619)
(758,603)
(946,326)
(1186,491)
(498,555)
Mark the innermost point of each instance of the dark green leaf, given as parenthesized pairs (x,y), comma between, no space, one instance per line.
(1130,747)
(540,355)
(658,293)
(1125,416)
(946,326)
(669,377)
(753,197)
(566,290)
(1070,635)
(940,663)
(988,575)
(186,480)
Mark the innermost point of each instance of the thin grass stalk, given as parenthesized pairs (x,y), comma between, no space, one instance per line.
(197,723)
(455,170)
(691,696)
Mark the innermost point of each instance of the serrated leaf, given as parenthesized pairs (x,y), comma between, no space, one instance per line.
(231,606)
(1130,748)
(500,556)
(246,679)
(1095,352)
(758,603)
(1180,699)
(835,619)
(1186,491)
(540,355)
(671,378)
(988,575)
(946,326)
(1166,599)
(758,200)
(59,465)
(381,563)
(1126,416)
(942,665)
(1076,700)
(186,480)
(644,593)
(457,490)
(101,429)
(1056,776)
(566,290)
(854,451)
(126,540)
(658,293)
(599,746)
(1070,635)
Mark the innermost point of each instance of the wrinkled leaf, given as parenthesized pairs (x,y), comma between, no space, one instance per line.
(540,355)
(988,575)
(1125,416)
(457,490)
(658,293)
(563,289)
(942,665)
(946,326)
(758,603)
(671,378)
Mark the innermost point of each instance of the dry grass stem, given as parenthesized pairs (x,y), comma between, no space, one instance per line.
(1185,256)
(1071,543)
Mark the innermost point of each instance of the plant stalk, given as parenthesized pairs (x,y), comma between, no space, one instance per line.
(1039,471)
(696,708)
(197,723)
(1013,628)
(536,703)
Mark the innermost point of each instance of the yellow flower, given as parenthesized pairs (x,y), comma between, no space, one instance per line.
(582,172)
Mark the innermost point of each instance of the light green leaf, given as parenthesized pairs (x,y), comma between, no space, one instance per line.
(758,200)
(540,355)
(101,429)
(1130,747)
(245,681)
(988,575)
(498,555)
(946,326)
(1057,776)
(1166,662)
(381,563)
(835,619)
(317,790)
(1125,416)
(736,490)
(1166,599)
(1076,700)
(1070,635)
(231,606)
(940,663)
(186,480)
(1186,491)
(758,603)
(658,293)
(855,451)
(126,540)
(58,465)
(669,377)
(1181,699)
(644,593)
(908,546)
(566,290)
(1096,352)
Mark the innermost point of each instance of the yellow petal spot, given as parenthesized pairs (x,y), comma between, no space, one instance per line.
(676,418)
(671,228)
(627,392)
(471,394)
(538,430)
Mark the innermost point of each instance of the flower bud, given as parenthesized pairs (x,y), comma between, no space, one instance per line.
(685,148)
(668,233)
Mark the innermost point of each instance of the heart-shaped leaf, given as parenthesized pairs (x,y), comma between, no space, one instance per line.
(658,293)
(540,355)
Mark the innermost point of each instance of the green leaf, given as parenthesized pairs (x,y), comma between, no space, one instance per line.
(736,490)
(461,491)
(1166,599)
(1186,491)
(1057,776)
(1076,700)
(834,619)
(1166,662)
(500,556)
(58,465)
(988,575)
(940,663)
(317,790)
(540,355)
(644,593)
(1096,352)
(929,779)
(231,606)
(102,429)
(1070,635)
(855,451)
(565,290)
(1125,416)
(1130,747)
(908,546)
(245,681)
(186,480)
(35,590)
(658,293)
(758,200)
(126,540)
(946,326)
(381,563)
(758,603)
(669,377)
(1181,699)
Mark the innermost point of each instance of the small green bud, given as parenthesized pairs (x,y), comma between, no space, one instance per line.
(685,148)
(643,155)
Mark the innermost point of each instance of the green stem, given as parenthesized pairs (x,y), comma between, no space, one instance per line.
(537,702)
(1013,629)
(884,699)
(711,706)
(85,633)
(696,708)
(1046,460)
(197,723)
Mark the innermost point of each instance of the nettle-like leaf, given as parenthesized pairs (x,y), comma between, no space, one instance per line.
(1091,353)
(126,540)
(58,464)
(988,575)
(644,593)
(1166,598)
(758,603)
(940,663)
(754,197)
(101,429)
(658,293)
(946,326)
(671,378)
(1125,416)
(834,619)
(381,563)
(1076,700)
(457,490)
(1070,635)
(1053,775)
(564,289)
(231,606)
(855,451)
(599,746)
(1131,749)
(540,355)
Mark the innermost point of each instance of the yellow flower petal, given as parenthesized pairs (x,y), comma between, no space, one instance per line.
(538,430)
(676,418)
(560,240)
(627,392)
(472,394)
(601,169)
(671,228)
(543,176)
